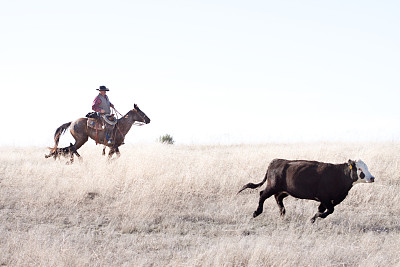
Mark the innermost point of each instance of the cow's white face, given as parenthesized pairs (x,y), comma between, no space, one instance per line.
(364,176)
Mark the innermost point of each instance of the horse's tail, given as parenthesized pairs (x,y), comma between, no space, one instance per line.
(60,130)
(253,186)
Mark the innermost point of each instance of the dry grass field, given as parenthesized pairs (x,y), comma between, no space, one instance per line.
(172,205)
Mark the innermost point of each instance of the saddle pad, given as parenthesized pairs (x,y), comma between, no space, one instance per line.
(94,124)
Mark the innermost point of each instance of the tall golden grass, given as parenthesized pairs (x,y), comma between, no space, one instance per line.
(163,205)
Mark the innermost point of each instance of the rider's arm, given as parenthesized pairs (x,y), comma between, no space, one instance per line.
(95,105)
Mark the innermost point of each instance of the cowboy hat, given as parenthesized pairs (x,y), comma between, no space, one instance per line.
(103,88)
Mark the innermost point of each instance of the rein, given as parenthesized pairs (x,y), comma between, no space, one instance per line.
(123,137)
(117,112)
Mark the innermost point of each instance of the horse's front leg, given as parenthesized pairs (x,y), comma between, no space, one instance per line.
(111,153)
(114,150)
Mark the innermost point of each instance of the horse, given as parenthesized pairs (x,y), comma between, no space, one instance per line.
(81,132)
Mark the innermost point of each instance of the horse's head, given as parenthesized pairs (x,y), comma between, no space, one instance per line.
(139,115)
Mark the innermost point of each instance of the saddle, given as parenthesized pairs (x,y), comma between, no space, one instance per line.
(92,115)
(97,122)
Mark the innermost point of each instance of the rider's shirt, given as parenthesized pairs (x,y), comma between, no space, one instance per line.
(101,102)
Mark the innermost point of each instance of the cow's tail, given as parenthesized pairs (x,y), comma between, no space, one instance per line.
(60,130)
(253,186)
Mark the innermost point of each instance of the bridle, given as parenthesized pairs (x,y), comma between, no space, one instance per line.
(136,123)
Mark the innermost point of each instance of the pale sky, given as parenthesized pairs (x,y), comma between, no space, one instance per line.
(205,72)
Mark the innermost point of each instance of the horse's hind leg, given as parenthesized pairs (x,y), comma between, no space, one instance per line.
(73,149)
(75,152)
(79,141)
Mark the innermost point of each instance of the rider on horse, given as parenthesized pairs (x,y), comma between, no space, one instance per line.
(102,105)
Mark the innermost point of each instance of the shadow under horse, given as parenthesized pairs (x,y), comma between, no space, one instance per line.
(81,132)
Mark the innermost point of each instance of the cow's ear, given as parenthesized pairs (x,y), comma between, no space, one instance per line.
(352,164)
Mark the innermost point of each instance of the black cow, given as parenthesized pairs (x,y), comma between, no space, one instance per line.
(324,182)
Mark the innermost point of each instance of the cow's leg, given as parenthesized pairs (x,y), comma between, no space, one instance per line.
(329,210)
(279,200)
(324,209)
(321,208)
(263,196)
